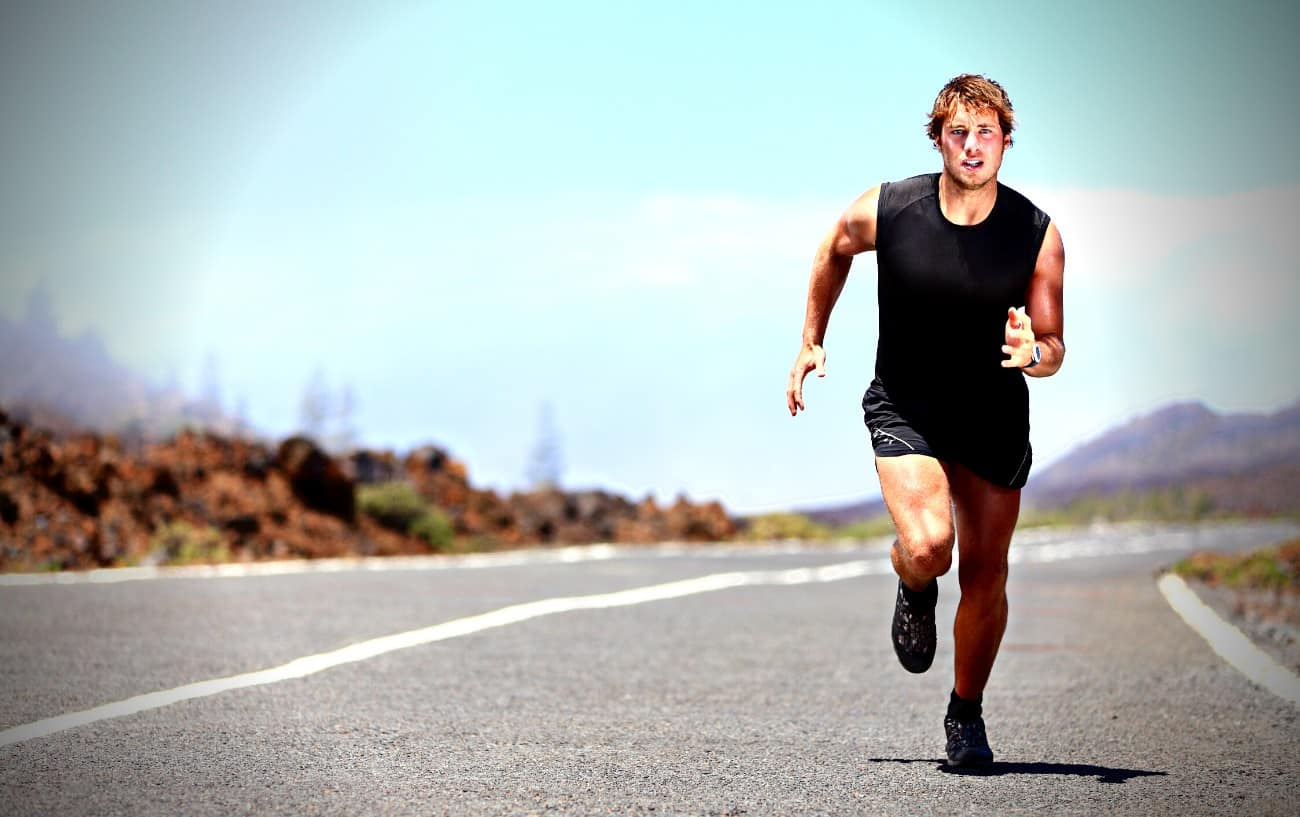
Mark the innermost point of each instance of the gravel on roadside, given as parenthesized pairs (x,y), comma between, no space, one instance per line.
(1270,618)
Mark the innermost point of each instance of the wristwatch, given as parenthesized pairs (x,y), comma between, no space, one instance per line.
(1035,358)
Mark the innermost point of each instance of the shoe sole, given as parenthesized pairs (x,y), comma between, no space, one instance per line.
(971,758)
(915,669)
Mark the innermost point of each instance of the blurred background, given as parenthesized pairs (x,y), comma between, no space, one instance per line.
(570,242)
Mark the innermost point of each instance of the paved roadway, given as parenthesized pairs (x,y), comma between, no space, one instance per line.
(756,700)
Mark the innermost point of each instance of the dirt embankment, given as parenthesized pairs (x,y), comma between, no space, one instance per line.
(1259,592)
(84,500)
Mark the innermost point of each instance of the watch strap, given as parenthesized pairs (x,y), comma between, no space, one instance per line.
(1035,358)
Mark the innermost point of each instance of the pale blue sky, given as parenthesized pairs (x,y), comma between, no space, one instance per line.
(464,210)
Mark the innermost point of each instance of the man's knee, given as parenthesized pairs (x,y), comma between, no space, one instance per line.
(928,552)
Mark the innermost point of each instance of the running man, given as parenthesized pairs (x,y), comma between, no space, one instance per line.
(969,291)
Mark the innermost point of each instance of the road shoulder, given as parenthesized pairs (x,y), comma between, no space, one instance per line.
(1233,645)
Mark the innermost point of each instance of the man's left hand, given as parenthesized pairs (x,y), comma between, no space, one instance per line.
(1020,339)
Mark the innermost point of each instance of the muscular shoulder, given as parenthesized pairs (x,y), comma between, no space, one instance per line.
(855,231)
(913,194)
(896,196)
(1022,208)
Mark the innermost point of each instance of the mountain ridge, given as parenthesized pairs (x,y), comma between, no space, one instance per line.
(1241,462)
(1174,443)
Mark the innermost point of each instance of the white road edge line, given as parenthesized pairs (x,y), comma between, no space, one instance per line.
(362,650)
(1044,544)
(569,554)
(1229,642)
(311,664)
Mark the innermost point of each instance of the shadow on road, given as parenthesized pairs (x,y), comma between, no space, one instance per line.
(1104,774)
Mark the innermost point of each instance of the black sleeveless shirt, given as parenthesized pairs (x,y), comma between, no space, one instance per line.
(944,291)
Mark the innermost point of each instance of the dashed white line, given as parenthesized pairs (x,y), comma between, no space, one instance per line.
(1230,643)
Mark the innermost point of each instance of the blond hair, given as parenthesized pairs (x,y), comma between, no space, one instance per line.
(974,92)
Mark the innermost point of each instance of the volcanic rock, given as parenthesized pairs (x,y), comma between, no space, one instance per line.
(316,479)
(78,500)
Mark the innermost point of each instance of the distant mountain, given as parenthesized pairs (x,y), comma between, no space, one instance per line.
(1241,463)
(72,383)
(1178,444)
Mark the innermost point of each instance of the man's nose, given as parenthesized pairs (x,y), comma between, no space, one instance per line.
(971,142)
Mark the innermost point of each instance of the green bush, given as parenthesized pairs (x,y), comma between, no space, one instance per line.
(181,543)
(785,526)
(434,528)
(398,506)
(395,505)
(1262,569)
(1159,505)
(483,542)
(867,529)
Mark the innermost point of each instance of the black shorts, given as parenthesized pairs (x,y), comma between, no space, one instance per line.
(994,447)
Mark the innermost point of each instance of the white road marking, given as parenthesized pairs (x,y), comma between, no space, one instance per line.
(113,575)
(311,664)
(571,554)
(1230,643)
(1133,537)
(1051,547)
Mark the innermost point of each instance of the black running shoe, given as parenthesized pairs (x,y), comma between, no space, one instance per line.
(967,743)
(913,629)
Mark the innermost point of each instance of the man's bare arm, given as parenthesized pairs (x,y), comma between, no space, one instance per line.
(854,232)
(1044,312)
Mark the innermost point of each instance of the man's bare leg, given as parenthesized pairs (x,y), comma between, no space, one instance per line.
(915,489)
(986,518)
(916,492)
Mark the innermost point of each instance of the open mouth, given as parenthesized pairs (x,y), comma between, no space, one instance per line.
(972,164)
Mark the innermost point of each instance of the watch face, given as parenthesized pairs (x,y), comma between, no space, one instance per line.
(1038,353)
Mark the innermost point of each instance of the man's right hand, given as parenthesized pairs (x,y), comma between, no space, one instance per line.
(810,358)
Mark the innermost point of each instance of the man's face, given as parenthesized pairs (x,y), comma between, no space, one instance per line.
(972,143)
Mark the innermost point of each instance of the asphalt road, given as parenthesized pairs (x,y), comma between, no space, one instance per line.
(764,699)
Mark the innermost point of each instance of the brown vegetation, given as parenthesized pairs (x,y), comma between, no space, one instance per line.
(1258,591)
(1275,568)
(83,500)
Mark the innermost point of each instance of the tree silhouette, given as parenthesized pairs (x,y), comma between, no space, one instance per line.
(210,390)
(345,431)
(328,417)
(546,463)
(314,408)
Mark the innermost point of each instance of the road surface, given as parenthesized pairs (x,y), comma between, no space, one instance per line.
(771,690)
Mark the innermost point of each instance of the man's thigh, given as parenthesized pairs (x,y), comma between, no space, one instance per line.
(916,491)
(986,514)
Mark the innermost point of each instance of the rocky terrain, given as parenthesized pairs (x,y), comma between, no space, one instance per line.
(80,500)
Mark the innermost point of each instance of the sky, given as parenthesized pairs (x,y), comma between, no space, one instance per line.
(468,212)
